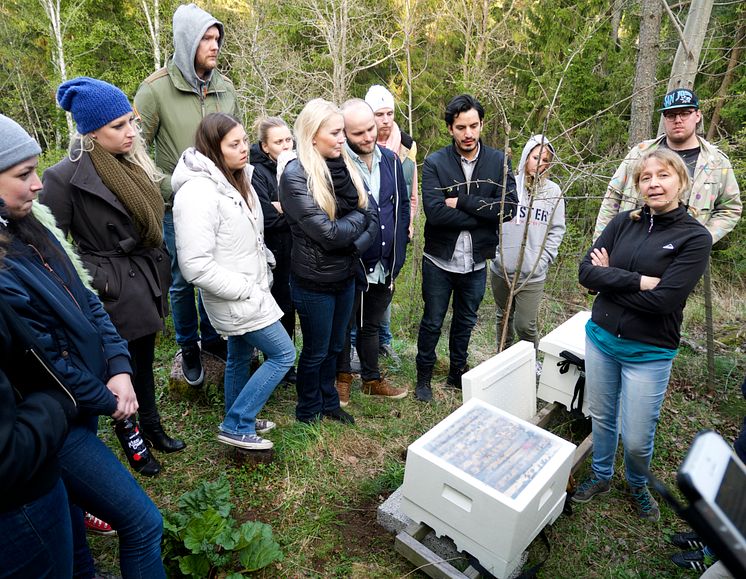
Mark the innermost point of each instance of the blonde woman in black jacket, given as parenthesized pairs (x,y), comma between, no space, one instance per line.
(326,205)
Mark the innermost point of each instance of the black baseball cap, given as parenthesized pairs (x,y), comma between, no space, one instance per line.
(680,98)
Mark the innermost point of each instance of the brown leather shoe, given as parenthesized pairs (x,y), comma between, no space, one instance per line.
(344,385)
(383,388)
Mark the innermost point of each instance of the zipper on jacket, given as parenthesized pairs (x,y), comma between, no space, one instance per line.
(56,276)
(49,371)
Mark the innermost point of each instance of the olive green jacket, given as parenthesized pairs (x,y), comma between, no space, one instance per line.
(170,109)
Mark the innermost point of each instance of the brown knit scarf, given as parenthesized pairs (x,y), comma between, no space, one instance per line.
(139,195)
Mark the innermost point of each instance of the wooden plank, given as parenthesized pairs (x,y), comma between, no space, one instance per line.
(582,452)
(542,418)
(424,559)
(417,530)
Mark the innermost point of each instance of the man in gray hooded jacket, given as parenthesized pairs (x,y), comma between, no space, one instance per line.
(171,102)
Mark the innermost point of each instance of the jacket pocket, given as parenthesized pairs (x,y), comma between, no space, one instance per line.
(106,281)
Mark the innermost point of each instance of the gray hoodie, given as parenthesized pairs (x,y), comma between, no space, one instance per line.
(190,24)
(544,214)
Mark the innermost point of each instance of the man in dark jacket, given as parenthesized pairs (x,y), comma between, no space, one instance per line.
(382,174)
(171,102)
(467,190)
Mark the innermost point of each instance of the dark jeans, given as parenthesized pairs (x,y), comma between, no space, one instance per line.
(370,308)
(437,287)
(323,322)
(281,245)
(99,483)
(142,352)
(37,538)
(183,310)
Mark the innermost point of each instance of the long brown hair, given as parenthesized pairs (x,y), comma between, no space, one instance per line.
(210,133)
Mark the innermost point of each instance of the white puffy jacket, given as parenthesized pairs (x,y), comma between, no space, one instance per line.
(220,246)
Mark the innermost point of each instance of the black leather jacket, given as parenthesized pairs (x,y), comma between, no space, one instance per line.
(324,250)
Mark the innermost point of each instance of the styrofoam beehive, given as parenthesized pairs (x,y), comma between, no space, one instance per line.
(506,381)
(489,481)
(553,385)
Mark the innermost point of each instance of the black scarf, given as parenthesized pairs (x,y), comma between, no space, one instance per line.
(344,188)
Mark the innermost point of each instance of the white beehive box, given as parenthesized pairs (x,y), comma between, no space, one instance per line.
(570,336)
(506,381)
(487,480)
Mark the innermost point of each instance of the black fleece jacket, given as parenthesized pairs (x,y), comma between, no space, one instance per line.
(673,247)
(478,210)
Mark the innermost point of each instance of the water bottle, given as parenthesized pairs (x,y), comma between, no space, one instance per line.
(138,455)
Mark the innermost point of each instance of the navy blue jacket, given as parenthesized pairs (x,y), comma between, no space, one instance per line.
(479,209)
(67,322)
(390,244)
(673,247)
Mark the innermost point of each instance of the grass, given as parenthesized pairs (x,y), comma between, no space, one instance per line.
(322,489)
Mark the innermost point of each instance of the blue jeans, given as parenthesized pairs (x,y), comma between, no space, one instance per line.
(640,388)
(245,396)
(437,287)
(181,292)
(99,483)
(323,323)
(37,538)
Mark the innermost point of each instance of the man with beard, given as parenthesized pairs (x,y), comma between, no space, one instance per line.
(468,189)
(382,174)
(171,102)
(714,193)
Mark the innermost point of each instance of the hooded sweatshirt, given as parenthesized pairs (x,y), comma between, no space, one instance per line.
(172,101)
(190,24)
(544,214)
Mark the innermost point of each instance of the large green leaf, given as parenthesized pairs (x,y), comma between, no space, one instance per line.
(260,547)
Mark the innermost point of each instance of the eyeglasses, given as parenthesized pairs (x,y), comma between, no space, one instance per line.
(684,115)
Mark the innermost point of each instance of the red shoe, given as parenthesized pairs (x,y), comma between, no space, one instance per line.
(97,526)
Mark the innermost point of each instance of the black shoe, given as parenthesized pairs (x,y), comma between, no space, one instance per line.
(423,391)
(454,377)
(291,377)
(689,541)
(218,348)
(156,437)
(340,416)
(191,365)
(151,467)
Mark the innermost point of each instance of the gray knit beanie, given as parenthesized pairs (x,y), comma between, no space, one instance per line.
(16,144)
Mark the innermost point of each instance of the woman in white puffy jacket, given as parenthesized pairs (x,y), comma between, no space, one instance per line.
(220,246)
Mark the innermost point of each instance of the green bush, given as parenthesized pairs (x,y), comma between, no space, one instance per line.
(201,539)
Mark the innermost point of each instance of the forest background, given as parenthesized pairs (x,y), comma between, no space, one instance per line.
(565,68)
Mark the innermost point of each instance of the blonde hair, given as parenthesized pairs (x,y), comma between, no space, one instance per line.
(314,115)
(138,155)
(262,125)
(669,159)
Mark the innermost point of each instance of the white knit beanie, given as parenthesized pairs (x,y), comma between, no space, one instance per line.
(379,97)
(16,145)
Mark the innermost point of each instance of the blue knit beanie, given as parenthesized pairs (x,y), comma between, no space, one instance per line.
(93,103)
(16,145)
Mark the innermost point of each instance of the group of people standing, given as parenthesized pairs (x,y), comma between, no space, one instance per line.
(313,223)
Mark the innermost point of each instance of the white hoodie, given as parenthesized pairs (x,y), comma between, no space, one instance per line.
(220,246)
(544,212)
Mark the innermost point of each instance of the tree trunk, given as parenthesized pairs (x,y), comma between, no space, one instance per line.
(735,56)
(647,57)
(616,18)
(54,15)
(153,19)
(686,61)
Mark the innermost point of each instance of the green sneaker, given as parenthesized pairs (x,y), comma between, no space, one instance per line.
(646,505)
(590,488)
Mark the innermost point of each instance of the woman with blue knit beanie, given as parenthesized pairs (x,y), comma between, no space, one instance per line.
(73,345)
(105,195)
